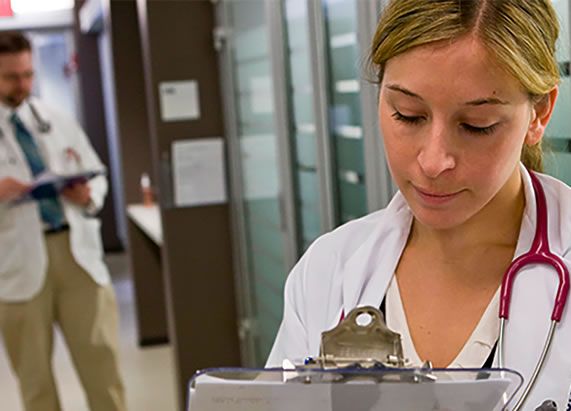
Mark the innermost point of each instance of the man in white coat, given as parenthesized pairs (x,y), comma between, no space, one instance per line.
(51,266)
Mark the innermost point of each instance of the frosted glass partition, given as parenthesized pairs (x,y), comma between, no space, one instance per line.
(303,129)
(253,99)
(345,107)
(558,134)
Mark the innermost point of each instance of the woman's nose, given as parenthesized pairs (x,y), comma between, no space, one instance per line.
(435,156)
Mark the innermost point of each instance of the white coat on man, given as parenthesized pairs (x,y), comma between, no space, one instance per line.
(66,150)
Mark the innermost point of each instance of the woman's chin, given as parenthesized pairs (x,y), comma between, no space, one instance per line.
(439,220)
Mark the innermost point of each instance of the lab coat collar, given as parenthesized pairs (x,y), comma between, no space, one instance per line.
(7,111)
(367,273)
(527,228)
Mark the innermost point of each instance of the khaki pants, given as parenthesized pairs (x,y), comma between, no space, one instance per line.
(87,316)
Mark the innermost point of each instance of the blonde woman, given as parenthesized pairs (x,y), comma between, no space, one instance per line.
(466,90)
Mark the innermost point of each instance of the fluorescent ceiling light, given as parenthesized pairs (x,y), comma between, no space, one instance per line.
(40,6)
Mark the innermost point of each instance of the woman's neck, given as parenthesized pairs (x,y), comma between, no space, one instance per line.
(497,224)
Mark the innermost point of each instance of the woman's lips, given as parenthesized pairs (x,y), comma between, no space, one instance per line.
(435,198)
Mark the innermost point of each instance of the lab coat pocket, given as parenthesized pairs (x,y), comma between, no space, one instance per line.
(5,159)
(88,239)
(6,218)
(69,161)
(11,254)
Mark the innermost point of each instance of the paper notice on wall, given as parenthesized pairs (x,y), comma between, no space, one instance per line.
(198,172)
(179,100)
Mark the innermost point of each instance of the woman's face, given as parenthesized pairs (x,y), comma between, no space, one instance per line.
(453,125)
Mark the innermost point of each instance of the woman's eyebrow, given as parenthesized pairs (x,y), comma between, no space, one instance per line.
(396,87)
(477,102)
(487,100)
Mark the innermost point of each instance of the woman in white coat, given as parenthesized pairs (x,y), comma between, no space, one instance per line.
(467,89)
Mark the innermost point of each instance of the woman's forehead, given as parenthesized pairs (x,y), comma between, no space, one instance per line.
(462,69)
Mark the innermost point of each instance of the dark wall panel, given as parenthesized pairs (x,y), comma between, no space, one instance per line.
(178,45)
(135,146)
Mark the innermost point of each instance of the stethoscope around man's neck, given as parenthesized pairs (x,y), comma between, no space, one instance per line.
(44,126)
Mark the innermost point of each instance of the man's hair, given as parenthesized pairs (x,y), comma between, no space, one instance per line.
(13,42)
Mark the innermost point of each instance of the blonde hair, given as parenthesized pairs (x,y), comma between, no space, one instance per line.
(520,34)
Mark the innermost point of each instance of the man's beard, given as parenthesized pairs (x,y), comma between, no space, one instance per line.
(15,99)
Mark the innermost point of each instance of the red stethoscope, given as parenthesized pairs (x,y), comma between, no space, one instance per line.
(539,253)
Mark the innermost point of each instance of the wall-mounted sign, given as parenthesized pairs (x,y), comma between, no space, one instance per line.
(179,100)
(198,172)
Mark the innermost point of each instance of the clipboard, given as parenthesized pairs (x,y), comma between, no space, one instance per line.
(360,367)
(235,389)
(49,185)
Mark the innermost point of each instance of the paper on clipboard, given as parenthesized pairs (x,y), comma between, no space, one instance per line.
(239,395)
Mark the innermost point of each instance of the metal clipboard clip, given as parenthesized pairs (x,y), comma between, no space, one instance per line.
(360,342)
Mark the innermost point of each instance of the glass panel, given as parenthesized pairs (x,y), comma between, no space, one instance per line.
(253,98)
(353,198)
(308,206)
(304,140)
(306,155)
(345,107)
(558,134)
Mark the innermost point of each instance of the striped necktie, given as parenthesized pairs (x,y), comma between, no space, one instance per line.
(50,208)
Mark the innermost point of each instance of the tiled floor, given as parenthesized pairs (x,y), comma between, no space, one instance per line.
(148,373)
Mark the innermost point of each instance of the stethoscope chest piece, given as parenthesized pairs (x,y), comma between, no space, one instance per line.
(44,127)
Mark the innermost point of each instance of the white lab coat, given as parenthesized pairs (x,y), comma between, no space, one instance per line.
(352,266)
(23,259)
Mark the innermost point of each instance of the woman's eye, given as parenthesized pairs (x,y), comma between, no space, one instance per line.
(479,130)
(407,119)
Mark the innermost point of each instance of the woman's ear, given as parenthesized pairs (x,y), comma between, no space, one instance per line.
(540,116)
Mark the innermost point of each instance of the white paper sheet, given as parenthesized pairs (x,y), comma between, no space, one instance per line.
(179,100)
(476,395)
(198,172)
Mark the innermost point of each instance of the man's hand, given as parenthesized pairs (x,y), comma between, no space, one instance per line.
(11,189)
(78,193)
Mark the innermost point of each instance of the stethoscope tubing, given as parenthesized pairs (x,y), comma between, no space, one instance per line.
(44,127)
(539,253)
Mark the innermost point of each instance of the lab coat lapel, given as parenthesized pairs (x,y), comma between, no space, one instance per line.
(12,147)
(48,143)
(367,273)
